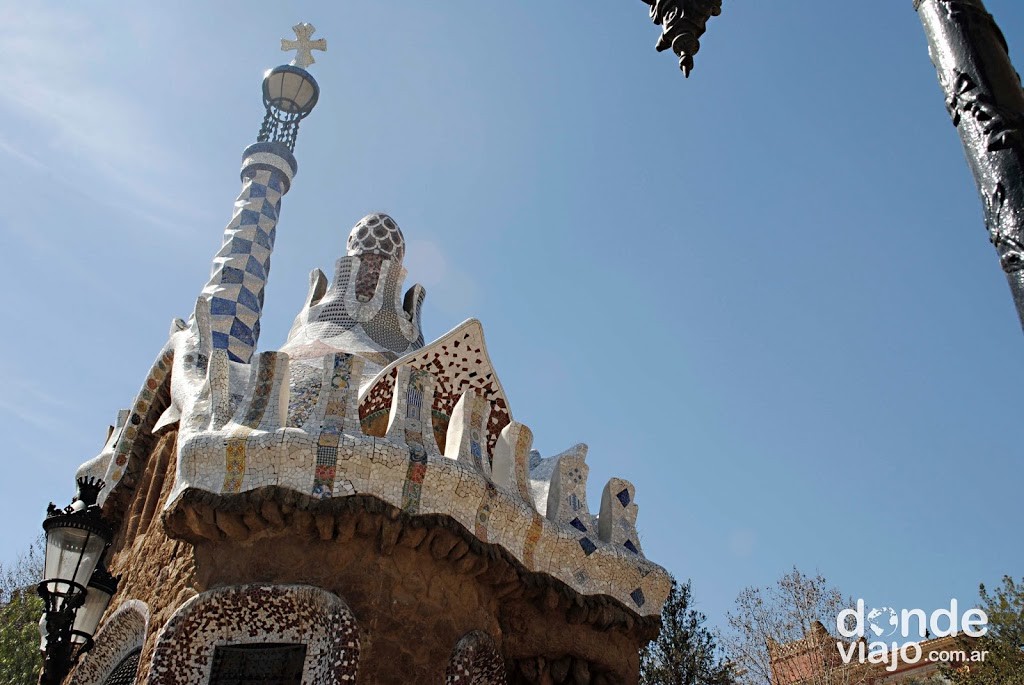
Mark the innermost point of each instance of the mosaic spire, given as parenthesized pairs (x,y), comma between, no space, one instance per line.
(362,311)
(238,278)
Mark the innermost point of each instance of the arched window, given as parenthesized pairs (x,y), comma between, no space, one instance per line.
(126,670)
(264,663)
(258,635)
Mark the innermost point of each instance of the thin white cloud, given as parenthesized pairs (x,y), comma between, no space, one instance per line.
(72,267)
(21,156)
(74,126)
(31,405)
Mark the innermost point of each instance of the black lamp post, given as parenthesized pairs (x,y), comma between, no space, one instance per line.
(75,589)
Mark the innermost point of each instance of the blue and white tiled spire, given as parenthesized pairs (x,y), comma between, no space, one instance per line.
(238,278)
(239,275)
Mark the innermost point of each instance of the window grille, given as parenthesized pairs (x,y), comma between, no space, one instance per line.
(125,671)
(258,664)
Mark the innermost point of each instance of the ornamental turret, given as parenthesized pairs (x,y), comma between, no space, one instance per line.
(238,278)
(363,310)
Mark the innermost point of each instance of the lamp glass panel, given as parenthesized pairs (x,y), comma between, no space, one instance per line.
(88,616)
(275,89)
(301,92)
(71,554)
(290,92)
(307,94)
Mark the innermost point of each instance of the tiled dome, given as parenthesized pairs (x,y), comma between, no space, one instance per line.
(377,233)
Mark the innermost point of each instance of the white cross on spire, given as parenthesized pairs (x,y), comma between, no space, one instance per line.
(303,46)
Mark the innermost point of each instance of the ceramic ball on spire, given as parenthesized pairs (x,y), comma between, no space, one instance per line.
(377,233)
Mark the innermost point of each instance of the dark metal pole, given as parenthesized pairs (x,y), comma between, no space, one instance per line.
(59,657)
(985,100)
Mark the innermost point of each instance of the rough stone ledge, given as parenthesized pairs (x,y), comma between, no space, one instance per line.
(197,516)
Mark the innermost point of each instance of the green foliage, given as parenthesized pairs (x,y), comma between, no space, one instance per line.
(684,652)
(20,609)
(1004,642)
(19,639)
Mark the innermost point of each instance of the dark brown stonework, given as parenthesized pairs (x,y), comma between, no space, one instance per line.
(154,568)
(367,276)
(416,585)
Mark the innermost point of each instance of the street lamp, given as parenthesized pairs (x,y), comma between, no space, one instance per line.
(102,586)
(75,590)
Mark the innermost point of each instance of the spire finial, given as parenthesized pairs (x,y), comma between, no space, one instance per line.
(303,46)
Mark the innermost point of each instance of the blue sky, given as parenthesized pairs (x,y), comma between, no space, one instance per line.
(764,294)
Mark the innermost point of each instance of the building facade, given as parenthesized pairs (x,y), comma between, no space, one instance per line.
(359,505)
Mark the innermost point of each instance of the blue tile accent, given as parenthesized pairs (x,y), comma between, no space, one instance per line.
(218,305)
(255,268)
(588,546)
(624,497)
(242,332)
(637,596)
(248,216)
(240,245)
(231,275)
(242,265)
(578,525)
(263,239)
(248,299)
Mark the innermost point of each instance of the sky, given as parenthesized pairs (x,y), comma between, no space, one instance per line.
(763,294)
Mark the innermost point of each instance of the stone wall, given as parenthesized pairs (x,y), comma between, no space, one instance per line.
(155,569)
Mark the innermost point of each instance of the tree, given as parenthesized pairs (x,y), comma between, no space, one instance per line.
(20,609)
(777,634)
(1003,644)
(684,652)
